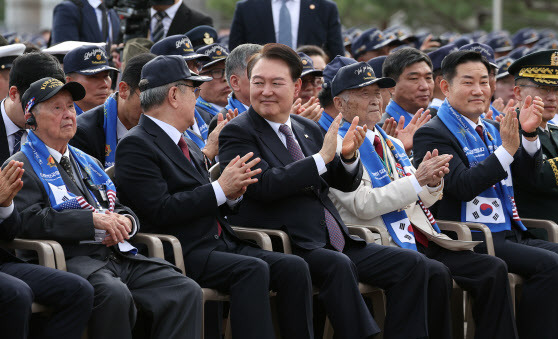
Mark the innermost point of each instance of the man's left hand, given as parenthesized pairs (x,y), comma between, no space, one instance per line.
(211,148)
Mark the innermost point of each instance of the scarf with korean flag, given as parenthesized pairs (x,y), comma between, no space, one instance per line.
(397,222)
(495,207)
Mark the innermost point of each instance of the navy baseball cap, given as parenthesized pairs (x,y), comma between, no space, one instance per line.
(166,69)
(462,41)
(201,36)
(525,36)
(215,52)
(177,45)
(87,60)
(308,66)
(377,63)
(518,52)
(504,64)
(438,55)
(401,33)
(500,43)
(356,76)
(45,88)
(370,40)
(483,49)
(334,65)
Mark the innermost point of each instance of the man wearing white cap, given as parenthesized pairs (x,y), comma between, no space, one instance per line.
(7,55)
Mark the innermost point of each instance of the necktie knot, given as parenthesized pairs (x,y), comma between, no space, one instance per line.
(285,130)
(378,146)
(479,130)
(67,166)
(160,15)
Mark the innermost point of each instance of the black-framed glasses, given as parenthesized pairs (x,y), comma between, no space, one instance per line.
(314,81)
(545,89)
(194,88)
(217,73)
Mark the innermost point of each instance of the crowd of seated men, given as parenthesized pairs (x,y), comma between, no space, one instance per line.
(181,136)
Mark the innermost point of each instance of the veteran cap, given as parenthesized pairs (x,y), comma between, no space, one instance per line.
(334,65)
(166,69)
(370,40)
(525,36)
(483,49)
(504,64)
(540,67)
(500,43)
(45,88)
(8,54)
(377,63)
(438,55)
(202,36)
(177,45)
(87,60)
(215,52)
(356,76)
(308,66)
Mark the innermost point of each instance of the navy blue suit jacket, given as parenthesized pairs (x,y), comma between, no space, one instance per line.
(70,22)
(9,229)
(319,25)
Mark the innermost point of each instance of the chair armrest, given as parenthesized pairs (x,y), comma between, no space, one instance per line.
(176,248)
(462,231)
(154,244)
(43,249)
(487,235)
(550,226)
(382,231)
(285,240)
(58,254)
(363,233)
(261,238)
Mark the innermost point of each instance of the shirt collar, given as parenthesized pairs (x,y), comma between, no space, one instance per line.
(11,128)
(121,130)
(57,155)
(472,123)
(170,130)
(94,3)
(545,128)
(171,11)
(276,125)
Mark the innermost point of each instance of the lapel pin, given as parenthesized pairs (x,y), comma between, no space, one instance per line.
(306,136)
(312,6)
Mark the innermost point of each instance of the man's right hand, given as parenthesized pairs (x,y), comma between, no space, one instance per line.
(117,228)
(509,131)
(10,182)
(433,168)
(330,140)
(238,175)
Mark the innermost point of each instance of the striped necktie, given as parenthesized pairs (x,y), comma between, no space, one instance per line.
(285,28)
(159,29)
(17,141)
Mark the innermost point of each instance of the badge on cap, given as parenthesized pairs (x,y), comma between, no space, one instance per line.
(208,39)
(554,59)
(312,6)
(304,62)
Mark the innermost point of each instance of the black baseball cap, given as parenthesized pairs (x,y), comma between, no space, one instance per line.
(215,52)
(166,69)
(177,45)
(45,88)
(87,60)
(334,65)
(308,66)
(357,75)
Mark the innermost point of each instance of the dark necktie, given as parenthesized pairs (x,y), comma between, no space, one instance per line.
(67,166)
(17,141)
(378,146)
(285,28)
(184,147)
(479,130)
(159,29)
(104,22)
(335,235)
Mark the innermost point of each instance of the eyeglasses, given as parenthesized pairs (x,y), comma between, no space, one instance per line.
(194,88)
(314,81)
(215,73)
(545,89)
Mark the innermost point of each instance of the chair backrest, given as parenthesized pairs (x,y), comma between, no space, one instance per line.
(214,172)
(110,172)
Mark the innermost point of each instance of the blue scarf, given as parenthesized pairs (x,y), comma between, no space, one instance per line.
(325,121)
(396,111)
(495,207)
(206,106)
(110,109)
(495,112)
(78,110)
(203,131)
(235,103)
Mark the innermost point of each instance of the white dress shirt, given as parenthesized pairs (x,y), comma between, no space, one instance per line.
(5,212)
(294,10)
(95,4)
(175,136)
(171,13)
(121,130)
(320,163)
(503,156)
(11,129)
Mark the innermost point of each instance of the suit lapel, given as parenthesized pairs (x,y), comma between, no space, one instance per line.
(270,139)
(266,19)
(5,148)
(302,137)
(305,21)
(167,147)
(554,136)
(182,15)
(546,143)
(90,17)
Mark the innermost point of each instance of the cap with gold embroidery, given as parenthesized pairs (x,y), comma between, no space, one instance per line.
(540,67)
(504,64)
(45,88)
(87,60)
(8,54)
(308,66)
(216,52)
(202,36)
(370,40)
(177,45)
(357,75)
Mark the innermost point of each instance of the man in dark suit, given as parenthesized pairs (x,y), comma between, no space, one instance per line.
(298,165)
(479,189)
(174,17)
(69,296)
(538,200)
(99,130)
(306,22)
(25,69)
(171,193)
(67,197)
(84,20)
